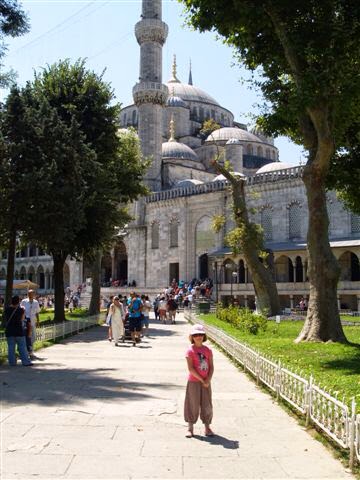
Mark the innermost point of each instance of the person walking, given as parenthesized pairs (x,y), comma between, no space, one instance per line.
(117,313)
(32,310)
(15,332)
(198,390)
(135,308)
(146,314)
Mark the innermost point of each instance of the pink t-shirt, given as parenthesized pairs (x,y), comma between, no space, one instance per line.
(201,361)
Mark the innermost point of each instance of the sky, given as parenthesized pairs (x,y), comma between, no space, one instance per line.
(102,31)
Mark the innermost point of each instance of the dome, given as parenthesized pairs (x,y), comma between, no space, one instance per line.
(189,93)
(231,133)
(189,182)
(233,141)
(273,167)
(222,178)
(174,149)
(175,101)
(256,130)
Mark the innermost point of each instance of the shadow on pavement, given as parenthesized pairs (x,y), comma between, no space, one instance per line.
(219,440)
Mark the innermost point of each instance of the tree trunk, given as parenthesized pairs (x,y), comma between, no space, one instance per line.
(59,262)
(10,266)
(264,283)
(322,322)
(94,308)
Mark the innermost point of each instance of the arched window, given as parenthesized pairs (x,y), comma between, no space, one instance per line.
(242,278)
(355,223)
(259,152)
(32,250)
(273,154)
(331,213)
(124,119)
(249,149)
(134,117)
(174,232)
(155,234)
(299,271)
(294,221)
(268,153)
(266,222)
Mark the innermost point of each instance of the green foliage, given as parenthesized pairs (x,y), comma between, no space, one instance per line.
(208,127)
(13,23)
(218,222)
(242,318)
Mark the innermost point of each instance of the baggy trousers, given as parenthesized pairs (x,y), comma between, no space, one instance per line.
(198,401)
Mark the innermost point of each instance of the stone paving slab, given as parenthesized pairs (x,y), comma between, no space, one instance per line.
(90,410)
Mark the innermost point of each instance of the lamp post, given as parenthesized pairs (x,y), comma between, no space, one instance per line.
(215,280)
(233,277)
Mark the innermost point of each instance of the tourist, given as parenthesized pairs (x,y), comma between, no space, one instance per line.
(162,309)
(117,313)
(135,308)
(156,306)
(172,306)
(32,310)
(108,317)
(14,316)
(198,390)
(146,314)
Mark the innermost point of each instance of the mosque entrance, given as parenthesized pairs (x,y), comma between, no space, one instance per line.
(203,266)
(120,263)
(173,272)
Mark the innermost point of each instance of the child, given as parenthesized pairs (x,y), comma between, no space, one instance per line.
(198,390)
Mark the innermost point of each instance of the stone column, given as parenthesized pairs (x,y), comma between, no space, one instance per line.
(150,94)
(246,301)
(291,301)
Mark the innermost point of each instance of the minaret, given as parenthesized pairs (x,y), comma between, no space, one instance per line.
(150,94)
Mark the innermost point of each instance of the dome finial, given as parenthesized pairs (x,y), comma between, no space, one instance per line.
(174,77)
(172,129)
(190,82)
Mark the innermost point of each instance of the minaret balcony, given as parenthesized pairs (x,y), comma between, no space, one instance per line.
(150,92)
(151,30)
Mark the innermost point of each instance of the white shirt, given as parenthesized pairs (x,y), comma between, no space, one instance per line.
(31,309)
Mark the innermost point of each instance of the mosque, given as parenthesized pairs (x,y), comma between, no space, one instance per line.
(171,235)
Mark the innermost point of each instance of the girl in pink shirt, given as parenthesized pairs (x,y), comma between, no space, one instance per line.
(198,390)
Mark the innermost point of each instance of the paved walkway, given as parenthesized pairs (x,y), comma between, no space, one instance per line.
(89,410)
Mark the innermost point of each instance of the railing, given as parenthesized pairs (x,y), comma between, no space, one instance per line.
(327,412)
(57,331)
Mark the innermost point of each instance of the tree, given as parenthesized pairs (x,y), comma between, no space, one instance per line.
(85,219)
(247,237)
(307,55)
(13,23)
(19,162)
(344,176)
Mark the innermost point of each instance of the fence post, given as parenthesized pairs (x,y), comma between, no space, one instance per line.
(308,401)
(78,325)
(64,324)
(278,379)
(54,331)
(257,368)
(352,435)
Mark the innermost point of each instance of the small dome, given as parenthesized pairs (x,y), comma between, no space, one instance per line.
(189,182)
(175,101)
(174,149)
(233,141)
(231,133)
(273,167)
(221,177)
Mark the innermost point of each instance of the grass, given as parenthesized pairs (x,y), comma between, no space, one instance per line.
(335,367)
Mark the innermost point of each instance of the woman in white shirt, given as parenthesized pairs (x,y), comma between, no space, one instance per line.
(117,316)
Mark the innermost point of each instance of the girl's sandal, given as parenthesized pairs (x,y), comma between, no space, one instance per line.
(209,433)
(189,434)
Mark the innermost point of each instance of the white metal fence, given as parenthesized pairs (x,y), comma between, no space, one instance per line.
(331,415)
(57,330)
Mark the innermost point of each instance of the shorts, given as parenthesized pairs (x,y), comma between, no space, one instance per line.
(145,321)
(135,324)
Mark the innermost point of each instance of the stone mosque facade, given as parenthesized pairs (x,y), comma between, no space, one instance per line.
(171,235)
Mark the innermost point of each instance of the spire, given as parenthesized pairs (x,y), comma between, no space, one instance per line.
(190,82)
(174,78)
(172,129)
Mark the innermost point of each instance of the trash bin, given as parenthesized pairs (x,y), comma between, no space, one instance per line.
(204,307)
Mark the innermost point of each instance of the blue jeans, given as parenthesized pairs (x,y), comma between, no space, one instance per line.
(21,345)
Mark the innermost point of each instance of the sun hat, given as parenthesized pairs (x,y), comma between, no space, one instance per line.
(198,329)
